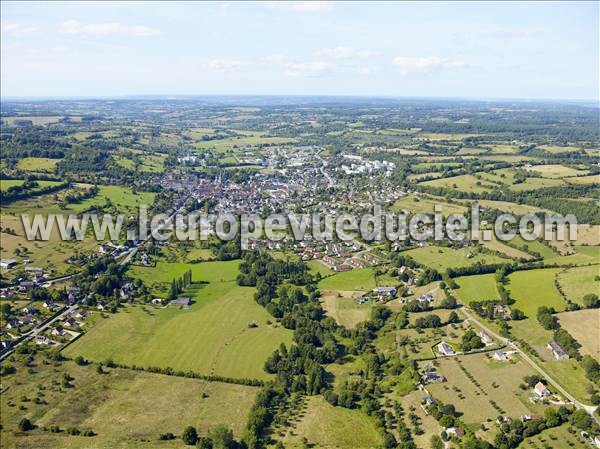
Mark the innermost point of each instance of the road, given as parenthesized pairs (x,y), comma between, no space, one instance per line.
(38,330)
(588,408)
(62,315)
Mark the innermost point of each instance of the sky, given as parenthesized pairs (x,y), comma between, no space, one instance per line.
(536,50)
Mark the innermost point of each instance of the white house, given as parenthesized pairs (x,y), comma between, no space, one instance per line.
(445,349)
(541,390)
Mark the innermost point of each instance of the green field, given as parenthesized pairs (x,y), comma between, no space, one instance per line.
(557,438)
(441,258)
(534,288)
(359,279)
(5,184)
(476,288)
(463,183)
(578,282)
(37,164)
(342,307)
(126,409)
(212,337)
(426,205)
(328,427)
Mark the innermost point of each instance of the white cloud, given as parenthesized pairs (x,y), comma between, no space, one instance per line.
(310,6)
(16,29)
(345,53)
(302,69)
(276,58)
(425,64)
(365,71)
(105,29)
(224,65)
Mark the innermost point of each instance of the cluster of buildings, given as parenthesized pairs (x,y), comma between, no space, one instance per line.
(356,165)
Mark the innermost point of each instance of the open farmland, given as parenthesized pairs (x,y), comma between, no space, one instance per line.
(360,279)
(463,183)
(442,258)
(584,326)
(331,427)
(38,164)
(124,408)
(342,307)
(476,288)
(497,382)
(580,281)
(217,341)
(535,288)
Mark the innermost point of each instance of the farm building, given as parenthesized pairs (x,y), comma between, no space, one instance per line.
(445,349)
(6,264)
(389,292)
(541,390)
(500,356)
(558,352)
(486,338)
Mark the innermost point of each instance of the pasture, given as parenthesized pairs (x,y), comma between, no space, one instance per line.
(37,164)
(556,171)
(125,408)
(534,288)
(441,258)
(476,288)
(463,183)
(360,279)
(342,307)
(425,205)
(578,282)
(556,438)
(212,337)
(329,427)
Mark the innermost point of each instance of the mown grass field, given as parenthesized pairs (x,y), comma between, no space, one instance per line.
(534,288)
(442,258)
(328,427)
(126,409)
(578,282)
(476,288)
(212,337)
(342,307)
(361,279)
(160,276)
(584,326)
